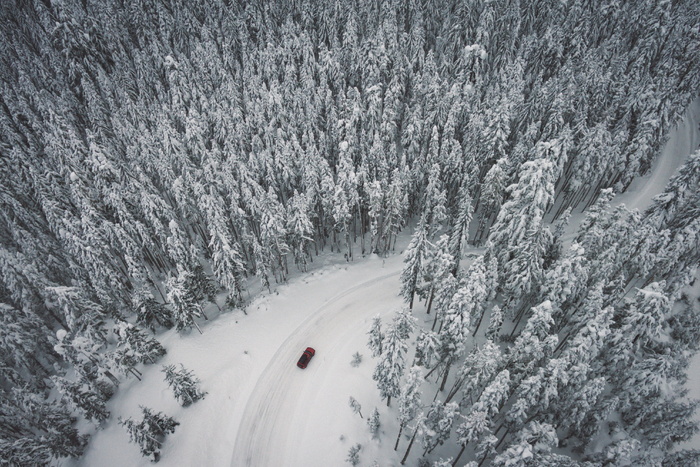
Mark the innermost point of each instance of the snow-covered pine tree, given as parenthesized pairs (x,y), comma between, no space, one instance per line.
(82,398)
(495,323)
(354,455)
(409,402)
(374,423)
(143,348)
(533,443)
(376,337)
(518,238)
(478,368)
(491,197)
(435,197)
(149,312)
(459,234)
(475,426)
(184,301)
(184,383)
(427,345)
(440,266)
(437,424)
(415,262)
(35,430)
(404,323)
(391,364)
(299,229)
(25,343)
(150,432)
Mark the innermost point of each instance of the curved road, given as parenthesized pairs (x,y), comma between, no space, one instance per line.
(272,428)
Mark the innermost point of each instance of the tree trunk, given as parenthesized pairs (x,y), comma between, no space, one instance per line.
(398,438)
(454,462)
(444,377)
(478,323)
(430,300)
(410,445)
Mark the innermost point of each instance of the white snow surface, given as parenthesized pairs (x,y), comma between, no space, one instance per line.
(261,410)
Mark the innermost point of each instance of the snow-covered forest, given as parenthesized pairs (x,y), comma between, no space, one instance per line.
(160,159)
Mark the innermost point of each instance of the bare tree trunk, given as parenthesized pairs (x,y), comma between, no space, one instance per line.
(444,377)
(398,438)
(454,462)
(410,445)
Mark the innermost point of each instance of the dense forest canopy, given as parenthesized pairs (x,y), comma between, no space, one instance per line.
(156,153)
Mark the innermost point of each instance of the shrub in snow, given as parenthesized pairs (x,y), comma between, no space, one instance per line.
(355,406)
(184,383)
(150,432)
(356,359)
(353,455)
(374,423)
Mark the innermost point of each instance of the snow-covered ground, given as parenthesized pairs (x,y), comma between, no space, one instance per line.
(261,410)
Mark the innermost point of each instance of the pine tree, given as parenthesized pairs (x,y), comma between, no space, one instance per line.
(144,349)
(183,298)
(409,401)
(354,455)
(149,312)
(437,424)
(391,364)
(91,405)
(415,260)
(518,238)
(376,337)
(374,423)
(150,432)
(34,430)
(184,384)
(495,323)
(427,345)
(476,424)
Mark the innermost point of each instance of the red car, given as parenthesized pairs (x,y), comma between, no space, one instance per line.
(306,357)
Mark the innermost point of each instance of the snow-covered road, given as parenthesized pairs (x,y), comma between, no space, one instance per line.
(289,412)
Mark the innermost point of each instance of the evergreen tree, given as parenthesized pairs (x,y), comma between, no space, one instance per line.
(149,312)
(518,238)
(91,405)
(415,260)
(409,401)
(183,298)
(144,349)
(376,337)
(427,345)
(150,432)
(437,424)
(391,364)
(354,455)
(34,430)
(184,384)
(374,423)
